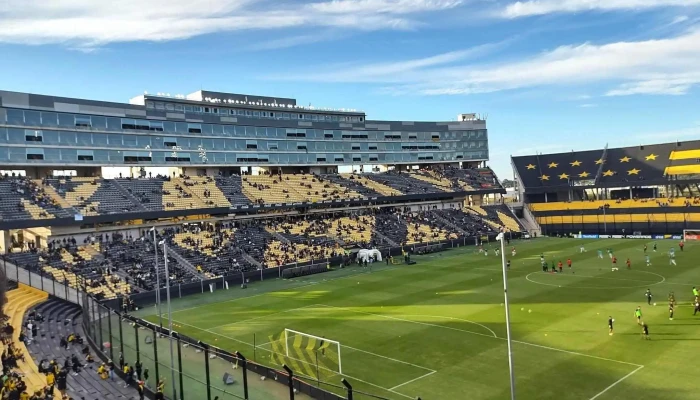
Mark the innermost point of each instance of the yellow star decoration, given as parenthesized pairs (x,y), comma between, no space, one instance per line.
(553,165)
(544,177)
(576,163)
(609,173)
(634,171)
(564,176)
(651,157)
(583,174)
(625,159)
(530,166)
(599,161)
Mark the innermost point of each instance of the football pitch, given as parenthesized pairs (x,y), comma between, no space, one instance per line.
(437,329)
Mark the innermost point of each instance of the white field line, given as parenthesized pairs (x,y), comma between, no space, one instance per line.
(412,380)
(389,358)
(329,370)
(616,382)
(261,317)
(489,336)
(285,289)
(493,334)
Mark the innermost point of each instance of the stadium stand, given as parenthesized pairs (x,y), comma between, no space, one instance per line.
(649,188)
(63,197)
(61,343)
(27,379)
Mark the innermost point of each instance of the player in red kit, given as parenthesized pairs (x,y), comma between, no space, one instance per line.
(629,264)
(681,244)
(560,265)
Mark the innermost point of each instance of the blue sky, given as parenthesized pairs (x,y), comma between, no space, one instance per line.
(552,75)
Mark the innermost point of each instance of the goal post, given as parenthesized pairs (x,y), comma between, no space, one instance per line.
(308,355)
(322,351)
(691,234)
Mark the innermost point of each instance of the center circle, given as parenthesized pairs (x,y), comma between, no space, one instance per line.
(621,279)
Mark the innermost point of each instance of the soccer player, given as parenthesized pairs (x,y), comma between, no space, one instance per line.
(697,306)
(582,249)
(610,253)
(695,292)
(560,265)
(544,266)
(638,314)
(611,321)
(670,310)
(681,244)
(672,256)
(498,252)
(648,260)
(486,252)
(508,264)
(648,296)
(629,263)
(645,249)
(645,332)
(614,263)
(672,297)
(568,263)
(542,257)
(600,254)
(512,252)
(654,247)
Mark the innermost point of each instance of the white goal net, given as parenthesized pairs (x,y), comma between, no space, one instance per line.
(310,355)
(691,234)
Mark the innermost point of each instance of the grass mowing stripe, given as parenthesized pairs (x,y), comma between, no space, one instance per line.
(482,334)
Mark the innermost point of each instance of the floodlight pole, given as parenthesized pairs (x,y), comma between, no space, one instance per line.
(155,250)
(170,319)
(502,238)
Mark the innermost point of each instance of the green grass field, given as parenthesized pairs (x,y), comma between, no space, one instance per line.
(437,329)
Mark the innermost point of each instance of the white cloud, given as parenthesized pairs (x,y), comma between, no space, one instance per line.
(92,23)
(543,7)
(664,66)
(588,105)
(679,19)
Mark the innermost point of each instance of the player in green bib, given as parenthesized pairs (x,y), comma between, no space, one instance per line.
(638,314)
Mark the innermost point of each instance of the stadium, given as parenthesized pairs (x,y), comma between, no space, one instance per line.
(229,246)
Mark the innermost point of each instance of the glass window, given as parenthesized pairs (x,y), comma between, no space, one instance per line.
(168,126)
(68,137)
(229,130)
(194,128)
(85,155)
(49,119)
(128,124)
(15,117)
(260,132)
(32,118)
(182,127)
(51,137)
(156,126)
(206,129)
(143,141)
(33,136)
(114,124)
(178,107)
(99,123)
(149,104)
(83,122)
(99,139)
(34,153)
(66,120)
(240,131)
(115,139)
(160,106)
(84,139)
(189,109)
(129,141)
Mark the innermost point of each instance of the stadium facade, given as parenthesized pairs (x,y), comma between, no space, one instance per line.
(649,189)
(215,130)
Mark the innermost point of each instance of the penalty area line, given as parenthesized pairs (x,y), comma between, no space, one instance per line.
(616,382)
(412,380)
